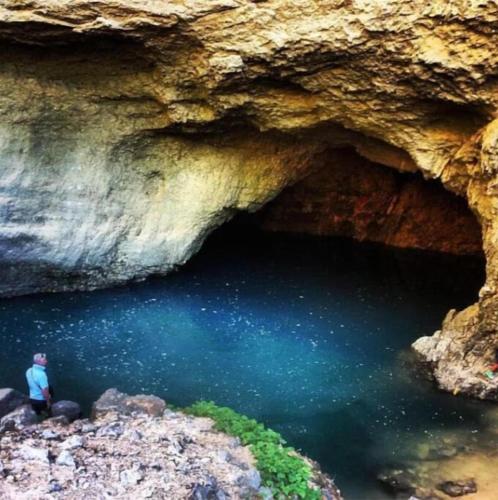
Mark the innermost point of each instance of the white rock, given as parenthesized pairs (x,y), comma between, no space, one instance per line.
(27,452)
(88,428)
(49,434)
(130,477)
(65,458)
(72,443)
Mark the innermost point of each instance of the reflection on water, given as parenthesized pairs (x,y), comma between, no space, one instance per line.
(303,334)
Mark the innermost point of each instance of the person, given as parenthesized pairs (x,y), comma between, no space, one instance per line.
(39,390)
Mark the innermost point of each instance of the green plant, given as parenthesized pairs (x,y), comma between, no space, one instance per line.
(280,467)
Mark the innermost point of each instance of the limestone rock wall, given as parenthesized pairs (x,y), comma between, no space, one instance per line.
(93,193)
(130,129)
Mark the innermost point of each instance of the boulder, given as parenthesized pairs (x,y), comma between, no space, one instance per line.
(398,481)
(111,400)
(68,409)
(114,401)
(458,488)
(150,405)
(10,399)
(19,418)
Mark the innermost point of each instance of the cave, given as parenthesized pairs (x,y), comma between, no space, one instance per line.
(289,208)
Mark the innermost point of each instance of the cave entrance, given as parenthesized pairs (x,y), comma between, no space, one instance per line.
(351,214)
(395,229)
(320,295)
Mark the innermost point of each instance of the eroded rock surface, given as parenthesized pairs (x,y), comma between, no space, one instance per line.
(130,130)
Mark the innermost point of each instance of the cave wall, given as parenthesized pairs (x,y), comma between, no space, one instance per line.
(353,197)
(92,193)
(131,129)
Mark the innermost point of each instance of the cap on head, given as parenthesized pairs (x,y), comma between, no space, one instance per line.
(39,357)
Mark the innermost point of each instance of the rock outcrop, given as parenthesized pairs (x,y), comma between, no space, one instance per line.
(10,399)
(130,451)
(130,130)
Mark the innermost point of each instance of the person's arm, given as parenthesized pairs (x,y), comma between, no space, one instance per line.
(43,383)
(46,395)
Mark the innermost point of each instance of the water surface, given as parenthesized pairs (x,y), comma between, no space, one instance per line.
(304,334)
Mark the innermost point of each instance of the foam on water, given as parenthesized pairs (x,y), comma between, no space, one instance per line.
(303,334)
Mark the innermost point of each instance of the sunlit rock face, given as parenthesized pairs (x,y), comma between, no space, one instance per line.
(130,130)
(353,197)
(93,194)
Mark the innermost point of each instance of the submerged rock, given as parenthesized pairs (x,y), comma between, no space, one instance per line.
(458,488)
(399,481)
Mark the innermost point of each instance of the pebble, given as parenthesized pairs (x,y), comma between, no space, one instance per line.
(135,435)
(234,442)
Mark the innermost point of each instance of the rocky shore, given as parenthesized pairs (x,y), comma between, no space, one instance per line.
(131,447)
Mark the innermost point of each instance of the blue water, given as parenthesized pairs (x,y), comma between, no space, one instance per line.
(307,335)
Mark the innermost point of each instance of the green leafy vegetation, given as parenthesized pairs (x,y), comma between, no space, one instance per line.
(281,469)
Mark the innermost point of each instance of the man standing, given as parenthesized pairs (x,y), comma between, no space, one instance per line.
(39,391)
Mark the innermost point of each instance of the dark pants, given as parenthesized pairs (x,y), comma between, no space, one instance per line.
(38,405)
